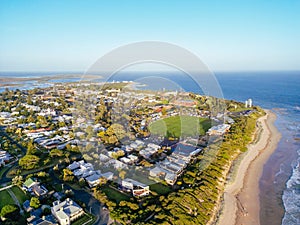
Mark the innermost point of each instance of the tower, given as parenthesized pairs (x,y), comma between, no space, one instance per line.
(249,102)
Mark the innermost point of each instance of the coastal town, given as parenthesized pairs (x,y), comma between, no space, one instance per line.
(121,146)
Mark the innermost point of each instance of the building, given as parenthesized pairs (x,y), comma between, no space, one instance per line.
(45,220)
(67,211)
(171,178)
(156,172)
(26,206)
(39,190)
(138,189)
(108,175)
(248,103)
(219,129)
(149,150)
(4,157)
(93,180)
(29,183)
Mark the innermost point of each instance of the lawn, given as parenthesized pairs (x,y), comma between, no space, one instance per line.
(5,199)
(21,196)
(115,195)
(85,219)
(160,188)
(57,187)
(3,170)
(180,126)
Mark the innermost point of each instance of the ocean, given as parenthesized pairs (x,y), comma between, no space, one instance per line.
(278,91)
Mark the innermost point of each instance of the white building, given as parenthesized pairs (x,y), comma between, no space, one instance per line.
(67,211)
(171,178)
(248,103)
(219,129)
(138,189)
(93,180)
(4,157)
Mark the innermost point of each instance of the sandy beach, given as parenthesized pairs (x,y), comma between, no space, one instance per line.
(241,196)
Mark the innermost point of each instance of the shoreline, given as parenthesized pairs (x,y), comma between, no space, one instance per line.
(241,203)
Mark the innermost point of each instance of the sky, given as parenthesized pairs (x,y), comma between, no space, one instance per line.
(70,35)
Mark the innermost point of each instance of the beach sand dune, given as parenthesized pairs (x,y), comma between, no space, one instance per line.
(241,196)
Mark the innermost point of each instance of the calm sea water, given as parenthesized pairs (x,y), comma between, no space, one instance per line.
(279,91)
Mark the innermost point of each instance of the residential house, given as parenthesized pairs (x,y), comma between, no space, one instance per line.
(108,175)
(29,183)
(4,157)
(138,189)
(157,172)
(171,178)
(39,190)
(66,212)
(219,129)
(45,220)
(93,180)
(26,206)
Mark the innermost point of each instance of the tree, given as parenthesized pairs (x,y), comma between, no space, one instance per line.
(163,111)
(17,180)
(118,130)
(35,202)
(90,132)
(102,181)
(61,124)
(29,162)
(42,174)
(100,196)
(56,153)
(118,154)
(122,174)
(9,211)
(68,175)
(82,182)
(31,150)
(112,140)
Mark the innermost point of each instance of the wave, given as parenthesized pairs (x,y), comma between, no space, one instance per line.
(291,197)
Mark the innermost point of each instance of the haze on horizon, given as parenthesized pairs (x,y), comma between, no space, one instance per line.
(71,35)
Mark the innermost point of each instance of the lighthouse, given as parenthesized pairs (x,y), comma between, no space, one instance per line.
(248,103)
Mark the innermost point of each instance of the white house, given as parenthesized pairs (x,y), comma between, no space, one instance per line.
(93,180)
(170,178)
(67,211)
(108,175)
(156,172)
(219,129)
(138,189)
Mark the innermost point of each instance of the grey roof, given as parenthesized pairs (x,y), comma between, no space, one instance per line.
(66,208)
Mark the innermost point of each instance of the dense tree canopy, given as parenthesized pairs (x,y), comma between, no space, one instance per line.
(29,162)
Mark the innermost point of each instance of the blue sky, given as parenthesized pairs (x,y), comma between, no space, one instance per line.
(70,35)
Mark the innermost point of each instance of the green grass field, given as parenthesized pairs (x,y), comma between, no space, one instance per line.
(180,126)
(115,195)
(5,199)
(85,218)
(21,196)
(160,188)
(3,170)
